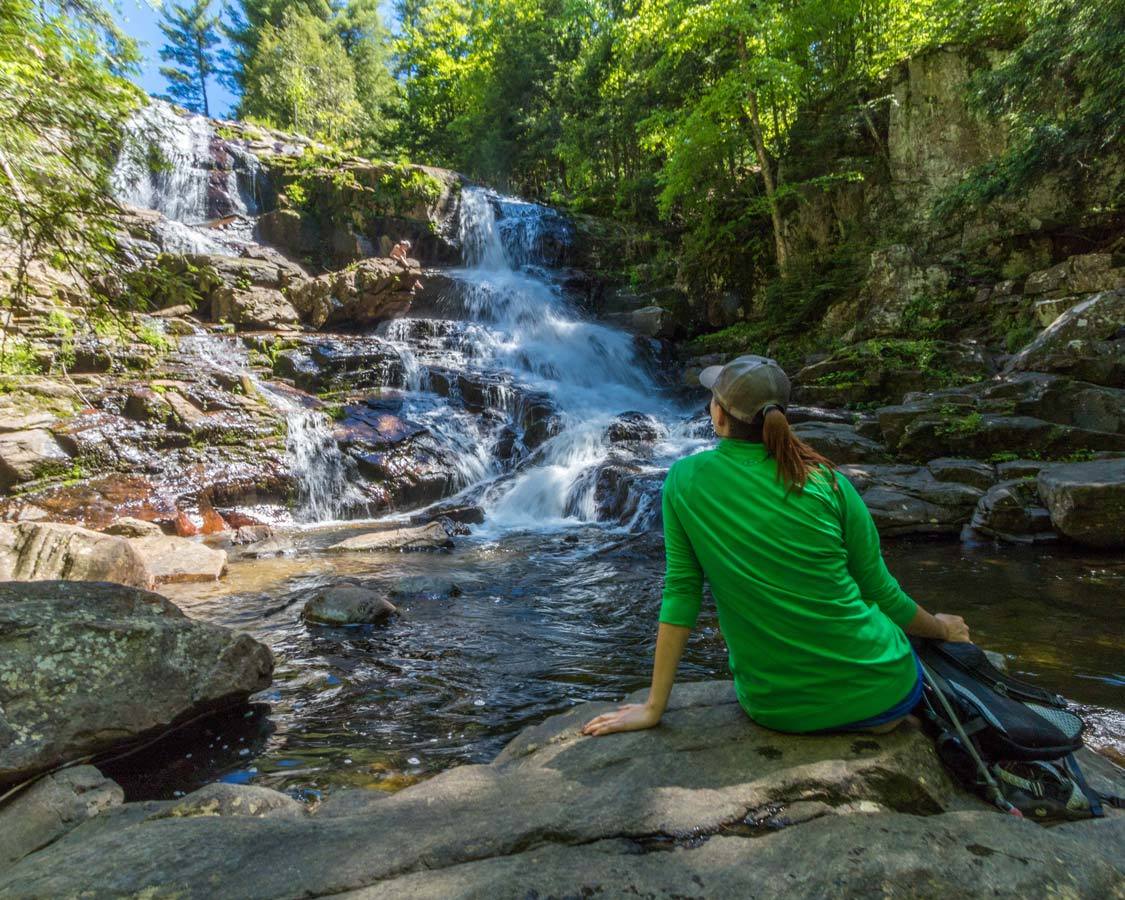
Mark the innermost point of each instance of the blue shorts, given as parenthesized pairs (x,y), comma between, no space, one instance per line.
(898,711)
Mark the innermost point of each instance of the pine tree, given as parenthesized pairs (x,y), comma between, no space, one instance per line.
(193,35)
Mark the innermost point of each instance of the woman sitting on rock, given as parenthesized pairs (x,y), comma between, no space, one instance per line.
(814,622)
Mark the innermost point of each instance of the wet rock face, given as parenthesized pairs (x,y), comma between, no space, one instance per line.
(351,364)
(734,815)
(1086,501)
(1086,342)
(88,667)
(1049,414)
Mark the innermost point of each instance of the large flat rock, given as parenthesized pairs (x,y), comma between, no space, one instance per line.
(40,551)
(87,667)
(679,810)
(424,537)
(51,807)
(172,559)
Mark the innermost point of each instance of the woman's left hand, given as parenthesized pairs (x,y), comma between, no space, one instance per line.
(630,717)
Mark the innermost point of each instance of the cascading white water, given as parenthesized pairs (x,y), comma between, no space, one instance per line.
(524,326)
(178,166)
(322,474)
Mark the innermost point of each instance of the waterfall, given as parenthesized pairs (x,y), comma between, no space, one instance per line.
(179,166)
(322,474)
(523,326)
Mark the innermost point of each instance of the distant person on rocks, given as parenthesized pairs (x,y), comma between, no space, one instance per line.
(401,252)
(814,623)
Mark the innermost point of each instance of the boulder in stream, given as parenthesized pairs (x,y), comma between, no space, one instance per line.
(1011,511)
(347,604)
(1087,501)
(51,807)
(86,668)
(172,559)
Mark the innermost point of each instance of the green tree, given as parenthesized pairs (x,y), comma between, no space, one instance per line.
(63,106)
(300,77)
(368,45)
(192,33)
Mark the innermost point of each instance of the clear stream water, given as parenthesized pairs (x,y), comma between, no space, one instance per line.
(541,607)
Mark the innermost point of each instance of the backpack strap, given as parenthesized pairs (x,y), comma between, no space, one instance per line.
(992,789)
(1096,799)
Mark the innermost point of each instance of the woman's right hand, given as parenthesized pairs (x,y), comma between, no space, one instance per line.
(956,630)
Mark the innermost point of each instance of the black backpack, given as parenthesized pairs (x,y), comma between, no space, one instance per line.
(1008,740)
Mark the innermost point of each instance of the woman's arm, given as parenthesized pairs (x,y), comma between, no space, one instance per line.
(670,643)
(679,608)
(877,585)
(941,627)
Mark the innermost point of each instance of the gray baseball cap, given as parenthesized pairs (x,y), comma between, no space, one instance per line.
(746,385)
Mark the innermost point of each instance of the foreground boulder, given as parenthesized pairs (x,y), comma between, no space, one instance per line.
(35,551)
(705,805)
(1087,501)
(88,667)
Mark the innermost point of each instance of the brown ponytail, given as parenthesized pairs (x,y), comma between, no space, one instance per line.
(796,460)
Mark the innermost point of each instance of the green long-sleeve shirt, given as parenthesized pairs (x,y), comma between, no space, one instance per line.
(811,616)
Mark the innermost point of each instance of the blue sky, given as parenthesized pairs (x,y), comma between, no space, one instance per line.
(139,20)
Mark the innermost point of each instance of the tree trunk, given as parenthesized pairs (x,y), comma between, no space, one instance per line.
(771,187)
(767,173)
(201,68)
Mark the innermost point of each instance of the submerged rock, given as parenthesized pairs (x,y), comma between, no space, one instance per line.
(660,812)
(347,604)
(51,807)
(426,537)
(88,667)
(1087,501)
(35,551)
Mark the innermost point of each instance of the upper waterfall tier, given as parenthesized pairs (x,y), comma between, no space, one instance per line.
(181,167)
